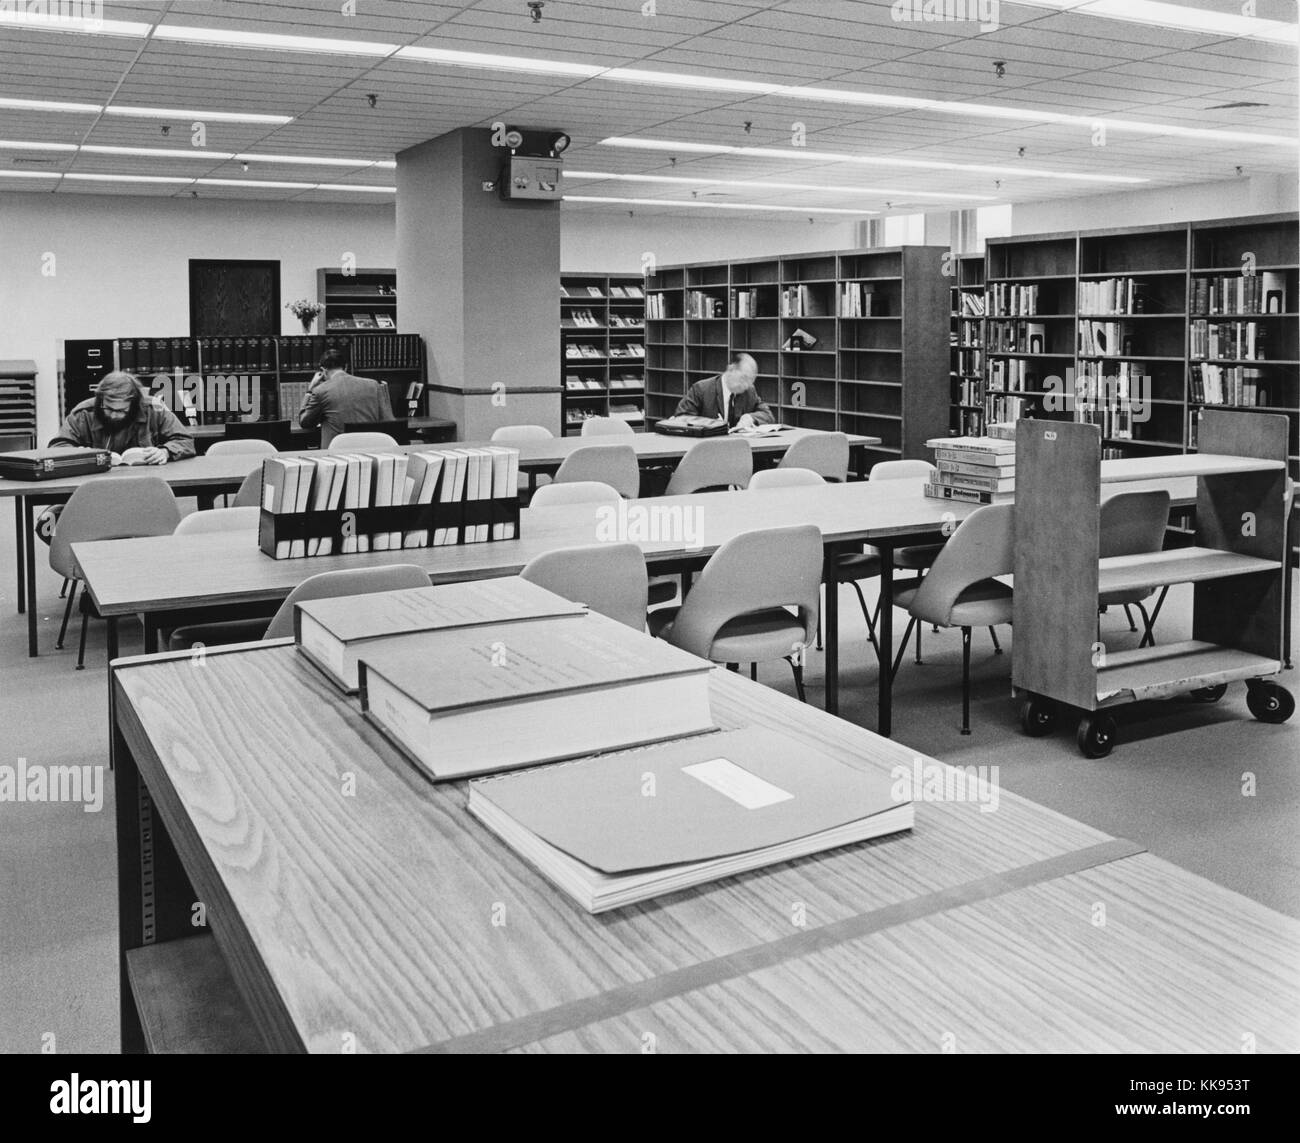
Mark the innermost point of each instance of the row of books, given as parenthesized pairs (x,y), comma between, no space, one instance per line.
(477,679)
(1263,293)
(1228,385)
(1109,395)
(292,395)
(969,332)
(970,392)
(618,292)
(656,308)
(974,470)
(698,305)
(858,300)
(263,354)
(970,422)
(1012,299)
(1104,339)
(745,303)
(576,317)
(1113,418)
(625,321)
(581,349)
(1111,296)
(1235,341)
(628,381)
(574,349)
(1017,337)
(387,351)
(1005,407)
(362,320)
(335,484)
(972,303)
(970,361)
(354,289)
(626,349)
(1011,375)
(803,301)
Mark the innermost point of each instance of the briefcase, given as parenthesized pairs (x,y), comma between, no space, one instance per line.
(53,463)
(686,426)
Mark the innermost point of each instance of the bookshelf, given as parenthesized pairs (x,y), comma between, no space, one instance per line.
(362,300)
(18,403)
(1144,327)
(966,338)
(254,378)
(843,340)
(602,348)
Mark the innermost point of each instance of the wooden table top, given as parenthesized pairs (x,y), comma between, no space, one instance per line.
(227,469)
(168,572)
(393,917)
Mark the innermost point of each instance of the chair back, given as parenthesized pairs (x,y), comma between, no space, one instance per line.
(755,571)
(522,433)
(363,442)
(784,478)
(233,446)
(608,578)
(983,546)
(397,430)
(606,427)
(250,491)
(901,470)
(612,464)
(219,520)
(112,508)
(714,462)
(1133,523)
(353,581)
(579,492)
(826,454)
(279,433)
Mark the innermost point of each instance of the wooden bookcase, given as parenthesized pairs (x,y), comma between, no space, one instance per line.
(17,404)
(606,315)
(966,334)
(1237,563)
(878,367)
(372,292)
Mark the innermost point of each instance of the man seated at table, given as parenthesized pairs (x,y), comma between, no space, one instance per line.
(335,398)
(121,417)
(730,396)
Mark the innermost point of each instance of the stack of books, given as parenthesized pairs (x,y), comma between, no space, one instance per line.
(974,470)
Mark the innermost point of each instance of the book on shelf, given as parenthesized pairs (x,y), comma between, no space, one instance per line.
(699,305)
(799,341)
(594,292)
(385,321)
(564,290)
(802,301)
(972,304)
(363,321)
(1012,299)
(617,291)
(473,701)
(858,300)
(724,804)
(634,291)
(331,633)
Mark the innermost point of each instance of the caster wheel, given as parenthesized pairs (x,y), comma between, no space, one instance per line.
(1210,694)
(1096,735)
(1037,716)
(1269,702)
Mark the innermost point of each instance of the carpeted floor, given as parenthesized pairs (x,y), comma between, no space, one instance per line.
(1174,784)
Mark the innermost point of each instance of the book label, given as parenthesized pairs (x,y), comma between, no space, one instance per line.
(737,783)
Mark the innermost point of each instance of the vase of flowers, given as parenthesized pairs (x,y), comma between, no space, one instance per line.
(305,311)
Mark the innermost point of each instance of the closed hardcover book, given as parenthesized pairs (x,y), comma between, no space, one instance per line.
(993,483)
(331,633)
(994,460)
(467,702)
(723,804)
(973,444)
(968,496)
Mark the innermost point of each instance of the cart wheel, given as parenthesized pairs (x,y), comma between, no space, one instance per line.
(1096,735)
(1269,702)
(1037,716)
(1210,694)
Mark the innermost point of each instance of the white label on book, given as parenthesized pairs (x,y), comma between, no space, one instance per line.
(736,783)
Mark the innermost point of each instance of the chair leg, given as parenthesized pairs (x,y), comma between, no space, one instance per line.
(753,671)
(1128,614)
(81,643)
(830,587)
(965,680)
(67,614)
(797,670)
(997,647)
(918,642)
(902,646)
(63,591)
(1149,635)
(866,614)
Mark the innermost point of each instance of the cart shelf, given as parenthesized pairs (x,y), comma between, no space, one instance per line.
(1160,672)
(1181,565)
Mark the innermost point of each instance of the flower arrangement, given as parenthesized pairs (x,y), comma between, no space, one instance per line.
(305,311)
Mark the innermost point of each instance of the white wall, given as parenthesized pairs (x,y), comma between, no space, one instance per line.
(121,265)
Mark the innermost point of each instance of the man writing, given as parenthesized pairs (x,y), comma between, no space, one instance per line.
(730,396)
(119,417)
(335,398)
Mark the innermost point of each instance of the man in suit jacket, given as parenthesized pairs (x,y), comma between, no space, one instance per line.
(335,398)
(730,396)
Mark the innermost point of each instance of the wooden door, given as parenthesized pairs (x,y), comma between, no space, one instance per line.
(234,297)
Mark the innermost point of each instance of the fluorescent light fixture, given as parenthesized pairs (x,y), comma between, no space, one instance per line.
(127,178)
(766,184)
(31,174)
(354,187)
(694,82)
(54,19)
(1175,16)
(802,153)
(271,41)
(18,145)
(303,160)
(717,205)
(209,116)
(253,183)
(190,153)
(490,62)
(50,105)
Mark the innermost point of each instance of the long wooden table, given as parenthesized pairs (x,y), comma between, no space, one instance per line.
(350,905)
(173,574)
(212,475)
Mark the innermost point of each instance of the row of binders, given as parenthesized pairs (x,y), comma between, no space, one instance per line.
(973,470)
(624,789)
(334,485)
(263,354)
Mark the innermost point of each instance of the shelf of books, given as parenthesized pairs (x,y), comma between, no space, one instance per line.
(212,380)
(847,340)
(357,300)
(1138,329)
(966,341)
(603,354)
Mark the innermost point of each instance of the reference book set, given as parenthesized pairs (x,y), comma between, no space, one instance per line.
(974,470)
(338,503)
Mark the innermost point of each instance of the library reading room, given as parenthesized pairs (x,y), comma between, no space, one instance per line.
(590,526)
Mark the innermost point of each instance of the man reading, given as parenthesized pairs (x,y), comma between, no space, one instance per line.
(731,396)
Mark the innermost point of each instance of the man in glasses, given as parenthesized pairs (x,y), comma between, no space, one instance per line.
(121,418)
